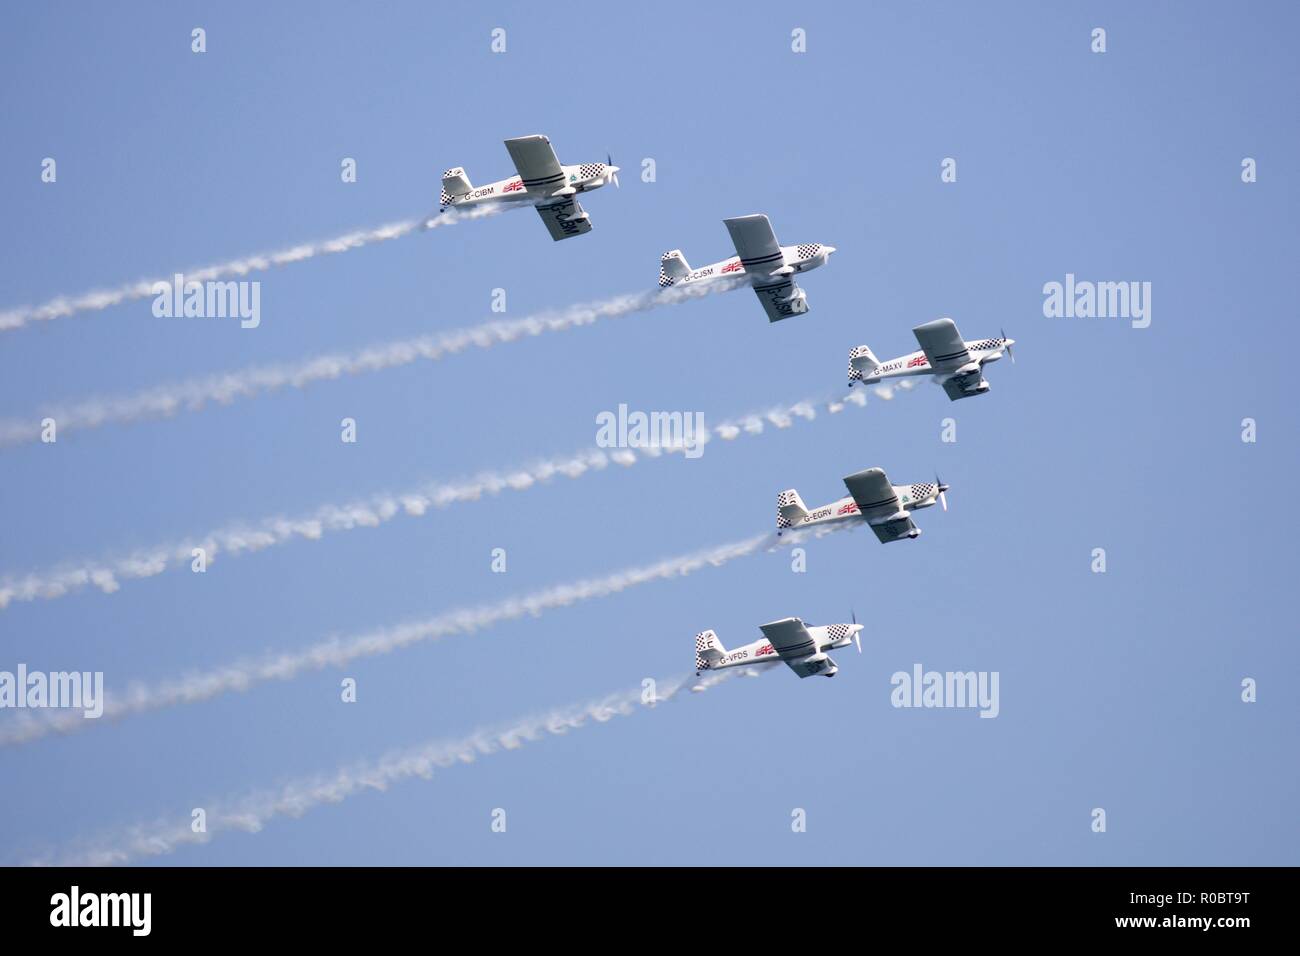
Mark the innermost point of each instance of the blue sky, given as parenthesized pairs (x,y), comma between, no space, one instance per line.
(1119,690)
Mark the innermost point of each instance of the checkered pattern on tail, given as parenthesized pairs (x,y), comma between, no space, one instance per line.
(789,508)
(672,266)
(707,650)
(862,362)
(454,185)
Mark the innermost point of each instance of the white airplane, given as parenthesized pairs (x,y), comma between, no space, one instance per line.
(551,187)
(886,508)
(769,266)
(957,365)
(790,640)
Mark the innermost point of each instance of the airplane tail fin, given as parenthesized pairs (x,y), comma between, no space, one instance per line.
(862,364)
(672,266)
(789,509)
(708,650)
(454,185)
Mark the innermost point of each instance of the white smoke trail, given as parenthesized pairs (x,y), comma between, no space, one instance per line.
(98,299)
(339,651)
(252,812)
(225,387)
(246,537)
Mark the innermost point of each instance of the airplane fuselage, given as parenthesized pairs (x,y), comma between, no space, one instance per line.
(982,352)
(577,179)
(794,259)
(910,498)
(761,651)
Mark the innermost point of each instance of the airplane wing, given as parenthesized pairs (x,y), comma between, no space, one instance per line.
(942,345)
(876,499)
(536,163)
(794,644)
(960,386)
(756,245)
(874,495)
(564,219)
(761,256)
(782,300)
(893,530)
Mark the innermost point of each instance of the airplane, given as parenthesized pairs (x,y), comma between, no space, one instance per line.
(802,647)
(542,180)
(886,508)
(769,266)
(957,365)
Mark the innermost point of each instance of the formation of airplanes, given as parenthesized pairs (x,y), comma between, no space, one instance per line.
(770,269)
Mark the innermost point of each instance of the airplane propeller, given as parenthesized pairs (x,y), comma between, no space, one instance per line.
(612,175)
(857,634)
(1006,344)
(943,498)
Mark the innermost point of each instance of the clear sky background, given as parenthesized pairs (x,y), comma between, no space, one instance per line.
(1118,690)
